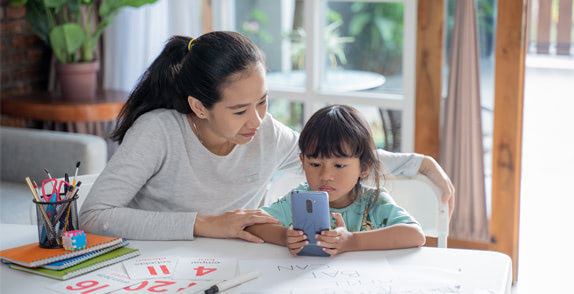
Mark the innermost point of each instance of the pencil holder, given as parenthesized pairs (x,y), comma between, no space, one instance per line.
(55,218)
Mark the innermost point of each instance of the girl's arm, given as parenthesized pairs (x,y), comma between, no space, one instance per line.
(277,234)
(270,233)
(393,237)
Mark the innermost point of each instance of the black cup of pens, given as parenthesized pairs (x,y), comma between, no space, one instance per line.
(55,218)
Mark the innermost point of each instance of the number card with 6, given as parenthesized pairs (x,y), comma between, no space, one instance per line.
(96,283)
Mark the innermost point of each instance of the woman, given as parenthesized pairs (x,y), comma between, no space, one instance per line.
(197,148)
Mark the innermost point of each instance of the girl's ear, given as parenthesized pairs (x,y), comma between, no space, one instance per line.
(301,158)
(365,172)
(197,107)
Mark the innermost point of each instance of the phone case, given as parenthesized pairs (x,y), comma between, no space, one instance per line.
(310,211)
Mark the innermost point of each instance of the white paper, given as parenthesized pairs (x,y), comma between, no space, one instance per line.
(95,283)
(205,269)
(300,274)
(150,268)
(166,285)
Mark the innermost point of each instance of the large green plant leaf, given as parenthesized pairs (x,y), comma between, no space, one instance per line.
(66,39)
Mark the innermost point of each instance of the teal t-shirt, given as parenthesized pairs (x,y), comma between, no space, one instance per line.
(358,216)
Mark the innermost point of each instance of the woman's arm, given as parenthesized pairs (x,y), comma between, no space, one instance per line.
(430,168)
(139,163)
(409,164)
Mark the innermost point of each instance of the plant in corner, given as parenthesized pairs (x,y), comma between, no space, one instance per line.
(71,29)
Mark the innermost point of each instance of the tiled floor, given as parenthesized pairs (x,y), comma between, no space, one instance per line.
(546,255)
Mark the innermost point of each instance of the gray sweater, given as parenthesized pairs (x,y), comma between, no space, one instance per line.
(161,177)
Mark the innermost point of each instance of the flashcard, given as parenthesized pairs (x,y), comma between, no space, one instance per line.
(96,283)
(150,268)
(205,269)
(167,286)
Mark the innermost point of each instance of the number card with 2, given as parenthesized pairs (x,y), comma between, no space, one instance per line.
(205,269)
(150,268)
(166,286)
(96,283)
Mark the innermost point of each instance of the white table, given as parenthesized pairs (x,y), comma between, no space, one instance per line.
(476,271)
(334,80)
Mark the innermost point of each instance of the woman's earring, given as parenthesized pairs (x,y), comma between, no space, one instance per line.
(201,114)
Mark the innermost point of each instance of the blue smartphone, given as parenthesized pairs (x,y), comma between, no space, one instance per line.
(310,211)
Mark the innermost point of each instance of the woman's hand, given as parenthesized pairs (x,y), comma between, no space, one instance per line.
(232,224)
(335,241)
(296,239)
(431,169)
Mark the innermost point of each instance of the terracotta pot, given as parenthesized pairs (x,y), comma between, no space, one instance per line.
(78,81)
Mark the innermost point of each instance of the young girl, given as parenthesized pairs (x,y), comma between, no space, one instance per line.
(337,153)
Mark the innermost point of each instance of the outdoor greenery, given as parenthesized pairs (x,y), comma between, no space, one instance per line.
(378,32)
(254,27)
(334,42)
(69,27)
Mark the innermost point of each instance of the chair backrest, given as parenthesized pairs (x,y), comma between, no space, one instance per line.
(87,182)
(422,199)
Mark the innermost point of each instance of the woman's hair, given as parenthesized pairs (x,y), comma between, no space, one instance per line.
(342,131)
(200,69)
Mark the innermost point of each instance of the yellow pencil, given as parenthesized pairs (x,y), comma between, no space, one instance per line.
(46,218)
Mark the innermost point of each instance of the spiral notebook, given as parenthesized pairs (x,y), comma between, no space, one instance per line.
(32,255)
(93,264)
(66,263)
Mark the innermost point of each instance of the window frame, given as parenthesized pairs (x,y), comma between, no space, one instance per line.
(312,96)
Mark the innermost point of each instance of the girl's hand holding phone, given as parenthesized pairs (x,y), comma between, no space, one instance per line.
(296,239)
(335,241)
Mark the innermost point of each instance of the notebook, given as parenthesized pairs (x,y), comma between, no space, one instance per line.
(32,255)
(66,263)
(95,263)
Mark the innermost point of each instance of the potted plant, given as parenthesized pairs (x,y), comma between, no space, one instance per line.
(70,28)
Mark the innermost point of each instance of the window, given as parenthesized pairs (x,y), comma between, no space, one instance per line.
(319,52)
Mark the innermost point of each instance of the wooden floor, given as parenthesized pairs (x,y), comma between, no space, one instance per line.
(546,254)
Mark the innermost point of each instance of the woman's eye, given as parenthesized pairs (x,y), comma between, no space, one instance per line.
(263,102)
(241,112)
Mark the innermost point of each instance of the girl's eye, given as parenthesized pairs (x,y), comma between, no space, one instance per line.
(241,112)
(315,164)
(339,165)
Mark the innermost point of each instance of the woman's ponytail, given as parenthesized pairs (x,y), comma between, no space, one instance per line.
(157,87)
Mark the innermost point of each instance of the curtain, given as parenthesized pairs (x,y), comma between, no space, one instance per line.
(461,146)
(138,35)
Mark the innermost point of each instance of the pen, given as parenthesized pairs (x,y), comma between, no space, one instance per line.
(232,282)
(67,179)
(76,174)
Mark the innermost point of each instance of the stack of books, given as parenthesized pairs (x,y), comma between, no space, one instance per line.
(60,264)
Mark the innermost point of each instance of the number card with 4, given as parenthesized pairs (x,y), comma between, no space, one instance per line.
(150,268)
(205,269)
(96,283)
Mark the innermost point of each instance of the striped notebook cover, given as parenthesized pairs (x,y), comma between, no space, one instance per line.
(93,264)
(32,255)
(66,263)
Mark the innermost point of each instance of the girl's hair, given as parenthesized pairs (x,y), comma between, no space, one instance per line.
(200,69)
(342,131)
